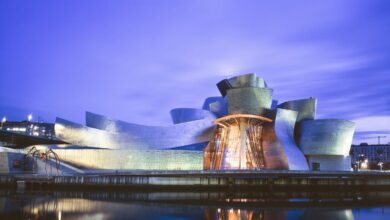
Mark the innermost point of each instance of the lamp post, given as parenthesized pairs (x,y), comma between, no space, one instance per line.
(361,160)
(29,125)
(380,164)
(3,120)
(29,117)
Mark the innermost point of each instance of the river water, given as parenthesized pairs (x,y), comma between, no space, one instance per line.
(265,205)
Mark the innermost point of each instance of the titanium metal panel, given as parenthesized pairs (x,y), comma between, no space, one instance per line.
(216,105)
(249,100)
(284,129)
(247,80)
(280,150)
(223,86)
(77,134)
(330,162)
(128,159)
(181,115)
(306,108)
(155,137)
(326,137)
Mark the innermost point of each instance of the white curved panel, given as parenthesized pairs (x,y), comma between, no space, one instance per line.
(284,128)
(156,137)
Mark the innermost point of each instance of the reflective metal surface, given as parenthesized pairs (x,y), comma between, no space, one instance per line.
(216,105)
(306,108)
(157,137)
(181,115)
(326,137)
(249,100)
(247,80)
(241,81)
(102,131)
(280,150)
(284,129)
(77,134)
(329,162)
(132,159)
(237,143)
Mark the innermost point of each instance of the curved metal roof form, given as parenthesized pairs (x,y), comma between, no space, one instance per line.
(284,130)
(241,128)
(157,137)
(182,115)
(306,108)
(77,134)
(326,137)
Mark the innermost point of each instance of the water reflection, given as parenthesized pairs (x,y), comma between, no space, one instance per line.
(167,205)
(243,214)
(278,214)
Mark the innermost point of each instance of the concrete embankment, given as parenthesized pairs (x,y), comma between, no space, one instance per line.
(204,180)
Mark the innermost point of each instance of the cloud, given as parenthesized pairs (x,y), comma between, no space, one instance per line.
(136,61)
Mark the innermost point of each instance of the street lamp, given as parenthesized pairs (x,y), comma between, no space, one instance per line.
(3,120)
(380,164)
(29,117)
(361,160)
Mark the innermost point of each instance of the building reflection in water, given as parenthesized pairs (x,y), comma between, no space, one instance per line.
(277,214)
(90,206)
(243,214)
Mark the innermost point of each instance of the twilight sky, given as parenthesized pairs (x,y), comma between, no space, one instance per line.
(136,60)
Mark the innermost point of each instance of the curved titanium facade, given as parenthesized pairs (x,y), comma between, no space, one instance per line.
(77,134)
(329,162)
(182,115)
(306,108)
(284,128)
(155,137)
(131,159)
(249,100)
(247,80)
(216,105)
(251,134)
(326,137)
(280,150)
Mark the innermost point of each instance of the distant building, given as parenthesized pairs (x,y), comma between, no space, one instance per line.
(371,156)
(38,129)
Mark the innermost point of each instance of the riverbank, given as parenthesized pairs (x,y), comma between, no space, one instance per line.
(203,180)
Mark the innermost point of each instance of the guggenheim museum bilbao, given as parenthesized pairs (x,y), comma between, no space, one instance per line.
(244,128)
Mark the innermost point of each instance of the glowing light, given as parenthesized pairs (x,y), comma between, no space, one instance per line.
(365,164)
(236,143)
(3,120)
(59,215)
(29,117)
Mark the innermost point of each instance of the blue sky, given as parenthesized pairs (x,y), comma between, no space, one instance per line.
(136,60)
